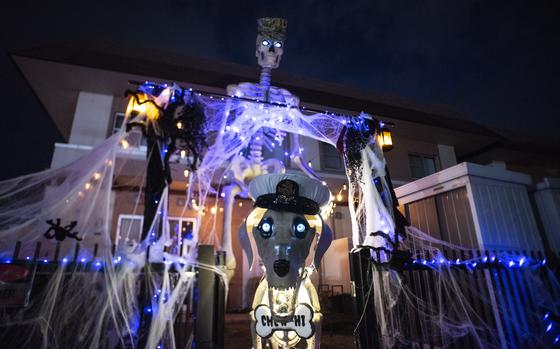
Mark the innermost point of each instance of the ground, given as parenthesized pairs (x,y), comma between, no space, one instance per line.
(337,331)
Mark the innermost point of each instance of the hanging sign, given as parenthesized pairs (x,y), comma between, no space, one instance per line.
(301,323)
(16,282)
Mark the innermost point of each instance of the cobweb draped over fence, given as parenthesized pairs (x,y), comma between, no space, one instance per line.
(448,296)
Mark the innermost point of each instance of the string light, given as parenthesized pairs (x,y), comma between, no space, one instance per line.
(124,144)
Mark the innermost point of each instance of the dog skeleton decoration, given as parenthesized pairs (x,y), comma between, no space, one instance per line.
(286,225)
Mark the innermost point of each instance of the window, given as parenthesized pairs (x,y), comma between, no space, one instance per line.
(180,229)
(421,165)
(129,230)
(331,160)
(118,121)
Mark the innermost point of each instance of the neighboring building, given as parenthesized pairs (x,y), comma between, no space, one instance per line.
(82,89)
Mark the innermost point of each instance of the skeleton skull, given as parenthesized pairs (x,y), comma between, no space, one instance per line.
(269,51)
(270,41)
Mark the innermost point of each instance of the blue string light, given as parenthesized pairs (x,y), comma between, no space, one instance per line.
(509,262)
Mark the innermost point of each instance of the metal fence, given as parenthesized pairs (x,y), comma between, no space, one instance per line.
(24,280)
(511,298)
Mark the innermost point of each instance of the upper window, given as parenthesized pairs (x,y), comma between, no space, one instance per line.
(422,165)
(118,121)
(331,160)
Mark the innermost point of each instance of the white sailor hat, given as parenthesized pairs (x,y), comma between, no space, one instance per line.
(289,192)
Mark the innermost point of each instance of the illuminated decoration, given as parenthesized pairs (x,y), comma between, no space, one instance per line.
(384,137)
(286,225)
(217,142)
(141,105)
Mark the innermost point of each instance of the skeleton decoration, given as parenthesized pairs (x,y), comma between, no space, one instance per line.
(269,49)
(286,225)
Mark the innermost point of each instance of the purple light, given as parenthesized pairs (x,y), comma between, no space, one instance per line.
(64,260)
(83,260)
(45,261)
(546,316)
(549,327)
(511,264)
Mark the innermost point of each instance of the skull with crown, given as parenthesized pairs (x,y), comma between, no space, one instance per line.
(270,41)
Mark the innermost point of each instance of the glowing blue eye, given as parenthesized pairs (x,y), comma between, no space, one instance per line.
(265,227)
(265,43)
(277,44)
(299,227)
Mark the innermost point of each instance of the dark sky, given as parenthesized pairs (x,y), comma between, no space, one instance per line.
(496,62)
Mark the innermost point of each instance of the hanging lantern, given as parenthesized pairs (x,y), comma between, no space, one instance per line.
(140,104)
(384,138)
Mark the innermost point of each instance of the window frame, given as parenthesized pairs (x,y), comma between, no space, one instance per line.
(422,157)
(323,155)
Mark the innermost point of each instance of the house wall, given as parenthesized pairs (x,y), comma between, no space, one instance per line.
(504,214)
(397,158)
(547,198)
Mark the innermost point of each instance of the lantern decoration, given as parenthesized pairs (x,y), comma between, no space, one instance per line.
(139,105)
(384,137)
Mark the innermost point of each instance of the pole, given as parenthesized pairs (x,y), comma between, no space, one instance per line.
(366,332)
(156,180)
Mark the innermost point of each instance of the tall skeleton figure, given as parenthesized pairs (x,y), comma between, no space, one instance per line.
(269,49)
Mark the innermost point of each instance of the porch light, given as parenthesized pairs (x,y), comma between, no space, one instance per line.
(140,104)
(384,138)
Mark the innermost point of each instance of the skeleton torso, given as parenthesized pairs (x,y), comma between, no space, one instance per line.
(259,92)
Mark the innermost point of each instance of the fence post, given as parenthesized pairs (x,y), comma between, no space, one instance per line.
(366,332)
(209,324)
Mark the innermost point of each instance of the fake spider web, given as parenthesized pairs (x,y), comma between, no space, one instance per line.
(91,297)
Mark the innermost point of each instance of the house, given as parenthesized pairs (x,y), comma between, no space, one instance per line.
(82,86)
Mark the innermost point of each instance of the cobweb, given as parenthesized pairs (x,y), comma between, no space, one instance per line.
(89,294)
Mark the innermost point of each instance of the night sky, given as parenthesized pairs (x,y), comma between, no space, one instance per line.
(496,62)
